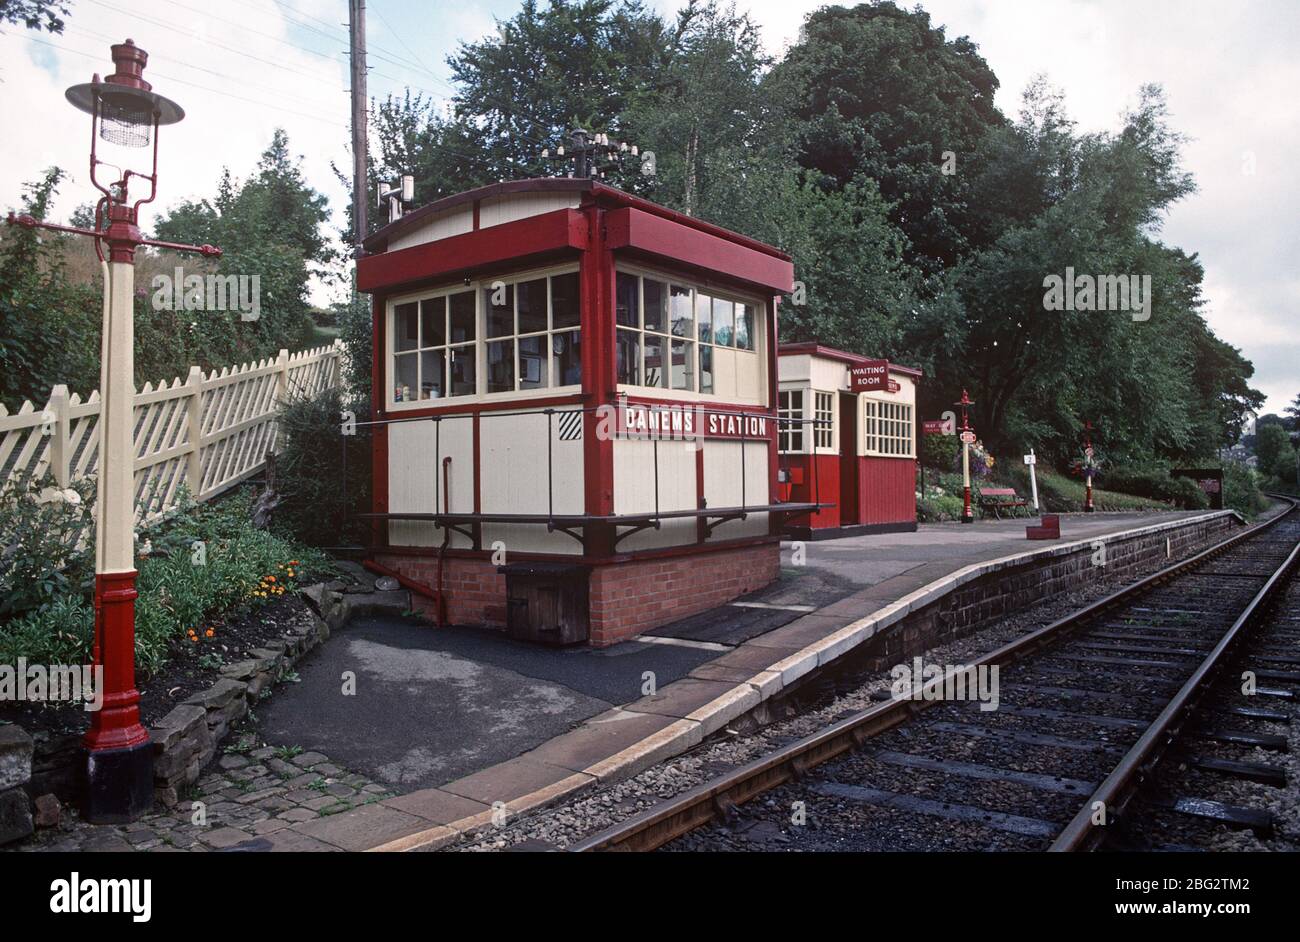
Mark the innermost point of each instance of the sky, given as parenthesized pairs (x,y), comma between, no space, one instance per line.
(241,68)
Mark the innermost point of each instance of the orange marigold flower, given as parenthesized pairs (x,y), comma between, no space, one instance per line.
(270,578)
(210,633)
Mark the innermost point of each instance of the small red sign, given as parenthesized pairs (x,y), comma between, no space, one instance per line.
(873,374)
(968,438)
(934,427)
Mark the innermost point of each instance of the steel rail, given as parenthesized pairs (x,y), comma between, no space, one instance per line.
(1086,830)
(717,798)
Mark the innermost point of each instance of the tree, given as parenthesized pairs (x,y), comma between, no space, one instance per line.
(49,326)
(1275,452)
(271,226)
(545,69)
(1293,410)
(704,116)
(878,92)
(35,14)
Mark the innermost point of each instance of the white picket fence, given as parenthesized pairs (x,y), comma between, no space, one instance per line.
(207,432)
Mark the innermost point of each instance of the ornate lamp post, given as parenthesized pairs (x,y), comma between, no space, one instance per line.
(1087,468)
(123,110)
(967,437)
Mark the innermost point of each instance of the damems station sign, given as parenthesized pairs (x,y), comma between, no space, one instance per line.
(684,422)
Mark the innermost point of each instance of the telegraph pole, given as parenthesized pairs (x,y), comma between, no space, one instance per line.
(357,46)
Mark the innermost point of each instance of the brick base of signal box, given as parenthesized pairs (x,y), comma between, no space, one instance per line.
(626,598)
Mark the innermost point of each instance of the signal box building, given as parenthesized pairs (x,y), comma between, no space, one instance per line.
(575,410)
(847,441)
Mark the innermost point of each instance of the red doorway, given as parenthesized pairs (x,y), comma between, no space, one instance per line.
(849,505)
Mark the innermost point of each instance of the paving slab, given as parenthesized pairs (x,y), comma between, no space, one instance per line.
(682,698)
(362,828)
(602,736)
(436,805)
(507,781)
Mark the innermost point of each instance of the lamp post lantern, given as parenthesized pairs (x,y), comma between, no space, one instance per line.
(967,437)
(123,110)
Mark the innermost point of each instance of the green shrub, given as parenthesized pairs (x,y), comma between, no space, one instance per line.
(205,561)
(938,507)
(59,633)
(1059,493)
(46,542)
(1241,490)
(1156,484)
(940,452)
(319,497)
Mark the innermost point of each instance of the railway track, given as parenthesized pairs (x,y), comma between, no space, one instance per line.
(1050,742)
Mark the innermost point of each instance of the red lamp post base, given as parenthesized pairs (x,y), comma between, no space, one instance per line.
(119,784)
(119,755)
(967,515)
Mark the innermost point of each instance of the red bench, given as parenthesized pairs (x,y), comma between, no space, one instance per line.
(998,499)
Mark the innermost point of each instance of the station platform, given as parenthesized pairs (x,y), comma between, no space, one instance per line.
(467,722)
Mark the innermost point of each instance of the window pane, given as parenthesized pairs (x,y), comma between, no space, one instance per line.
(500,317)
(629,357)
(463,368)
(745,326)
(532,306)
(406,334)
(462,317)
(432,381)
(656,304)
(568,357)
(406,377)
(433,322)
(564,300)
(723,317)
(681,311)
(534,363)
(501,366)
(706,368)
(626,312)
(704,316)
(683,368)
(656,366)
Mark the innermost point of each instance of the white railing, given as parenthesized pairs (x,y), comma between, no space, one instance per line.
(207,432)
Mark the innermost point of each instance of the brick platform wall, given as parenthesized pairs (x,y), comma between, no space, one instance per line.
(476,592)
(999,594)
(632,597)
(626,598)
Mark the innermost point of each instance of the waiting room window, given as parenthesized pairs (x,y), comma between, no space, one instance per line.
(888,428)
(824,419)
(790,427)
